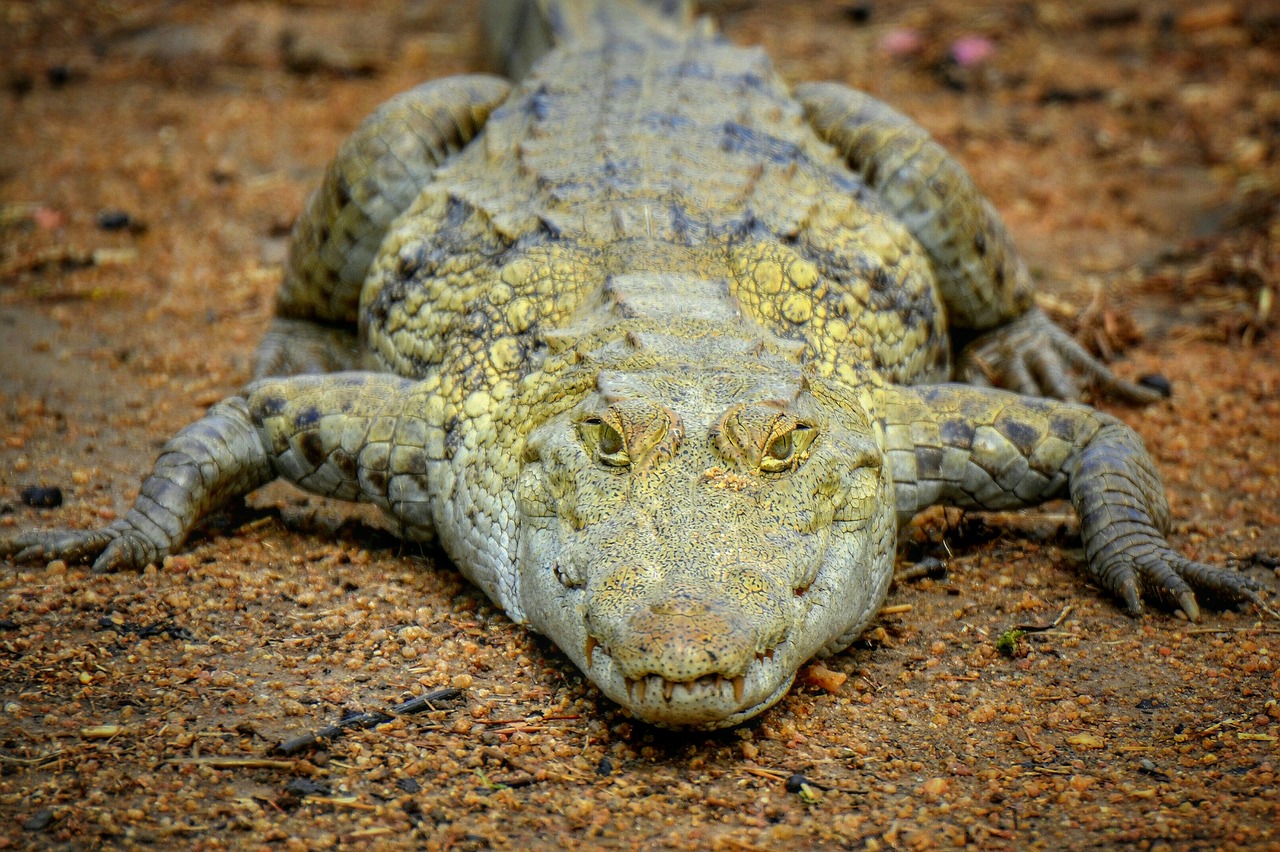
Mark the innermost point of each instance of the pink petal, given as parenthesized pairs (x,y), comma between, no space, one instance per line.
(48,219)
(901,42)
(972,50)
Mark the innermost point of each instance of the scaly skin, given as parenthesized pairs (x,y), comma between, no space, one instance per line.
(656,356)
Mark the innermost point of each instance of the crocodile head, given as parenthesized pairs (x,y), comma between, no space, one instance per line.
(691,537)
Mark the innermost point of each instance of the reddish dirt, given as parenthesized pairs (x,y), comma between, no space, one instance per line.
(1135,153)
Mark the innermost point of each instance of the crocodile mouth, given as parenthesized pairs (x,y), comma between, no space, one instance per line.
(705,703)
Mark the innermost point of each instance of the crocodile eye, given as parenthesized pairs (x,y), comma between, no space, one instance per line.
(786,451)
(610,447)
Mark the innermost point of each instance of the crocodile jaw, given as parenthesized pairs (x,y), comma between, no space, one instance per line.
(708,703)
(848,590)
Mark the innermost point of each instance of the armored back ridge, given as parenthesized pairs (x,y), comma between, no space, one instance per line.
(657,348)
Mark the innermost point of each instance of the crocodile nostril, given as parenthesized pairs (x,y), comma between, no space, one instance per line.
(684,642)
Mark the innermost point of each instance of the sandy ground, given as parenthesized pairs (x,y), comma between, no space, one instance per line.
(1134,151)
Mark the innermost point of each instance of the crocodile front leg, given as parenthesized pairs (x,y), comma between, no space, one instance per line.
(204,466)
(344,435)
(985,449)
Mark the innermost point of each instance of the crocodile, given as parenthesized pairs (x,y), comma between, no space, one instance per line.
(663,352)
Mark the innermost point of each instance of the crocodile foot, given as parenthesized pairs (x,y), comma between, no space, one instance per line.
(1035,357)
(109,549)
(1123,519)
(1153,569)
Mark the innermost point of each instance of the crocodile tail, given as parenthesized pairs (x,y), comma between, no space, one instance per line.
(521,31)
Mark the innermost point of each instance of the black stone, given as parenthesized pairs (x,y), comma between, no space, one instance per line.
(116,220)
(796,782)
(1158,383)
(40,820)
(858,13)
(301,787)
(42,497)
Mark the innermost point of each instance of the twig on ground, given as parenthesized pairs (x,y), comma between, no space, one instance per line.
(365,720)
(1040,628)
(236,762)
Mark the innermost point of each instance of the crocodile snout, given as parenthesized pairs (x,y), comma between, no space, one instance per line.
(680,659)
(688,640)
(681,640)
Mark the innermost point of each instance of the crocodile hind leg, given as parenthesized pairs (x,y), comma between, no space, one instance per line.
(981,277)
(992,450)
(350,436)
(293,347)
(375,176)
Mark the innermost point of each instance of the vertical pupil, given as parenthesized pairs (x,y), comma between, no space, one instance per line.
(781,447)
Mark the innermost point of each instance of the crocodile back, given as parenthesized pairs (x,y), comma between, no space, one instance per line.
(683,141)
(520,31)
(652,152)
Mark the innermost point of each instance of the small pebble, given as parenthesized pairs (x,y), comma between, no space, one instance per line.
(824,678)
(40,820)
(114,220)
(935,787)
(1157,382)
(858,13)
(48,219)
(307,787)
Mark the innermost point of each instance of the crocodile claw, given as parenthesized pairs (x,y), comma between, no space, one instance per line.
(1175,579)
(109,549)
(1035,357)
(1187,603)
(47,545)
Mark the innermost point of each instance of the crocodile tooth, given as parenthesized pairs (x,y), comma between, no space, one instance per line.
(630,685)
(668,688)
(591,647)
(640,685)
(739,683)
